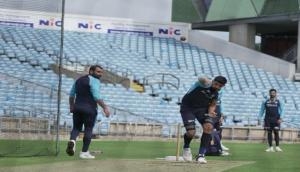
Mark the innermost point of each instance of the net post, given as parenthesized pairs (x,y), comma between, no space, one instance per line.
(178,141)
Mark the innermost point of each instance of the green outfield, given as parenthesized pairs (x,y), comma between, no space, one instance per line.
(142,156)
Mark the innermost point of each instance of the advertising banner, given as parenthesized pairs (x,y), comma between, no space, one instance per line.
(82,23)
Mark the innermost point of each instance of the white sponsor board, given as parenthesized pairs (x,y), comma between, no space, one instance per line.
(43,20)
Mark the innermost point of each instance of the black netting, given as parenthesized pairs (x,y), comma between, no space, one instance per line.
(30,84)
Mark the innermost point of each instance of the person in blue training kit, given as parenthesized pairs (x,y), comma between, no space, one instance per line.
(200,103)
(274,111)
(218,121)
(83,100)
(215,148)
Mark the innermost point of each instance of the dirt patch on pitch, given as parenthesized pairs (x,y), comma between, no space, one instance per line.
(126,166)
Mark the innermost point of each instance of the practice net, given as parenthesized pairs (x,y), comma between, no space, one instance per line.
(30,86)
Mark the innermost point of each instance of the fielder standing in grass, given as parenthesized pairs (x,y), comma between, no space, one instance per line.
(200,103)
(83,100)
(274,111)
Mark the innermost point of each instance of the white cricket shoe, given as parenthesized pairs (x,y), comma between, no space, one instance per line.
(277,149)
(201,159)
(224,147)
(224,153)
(187,154)
(86,155)
(71,147)
(270,149)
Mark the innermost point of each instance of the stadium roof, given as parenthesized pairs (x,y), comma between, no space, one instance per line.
(287,23)
(269,16)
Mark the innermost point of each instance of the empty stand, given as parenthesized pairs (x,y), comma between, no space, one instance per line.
(26,55)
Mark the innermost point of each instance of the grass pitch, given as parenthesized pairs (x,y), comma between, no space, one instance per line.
(136,156)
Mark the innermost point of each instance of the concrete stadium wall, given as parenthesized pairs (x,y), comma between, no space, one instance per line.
(135,129)
(257,133)
(26,127)
(229,133)
(228,49)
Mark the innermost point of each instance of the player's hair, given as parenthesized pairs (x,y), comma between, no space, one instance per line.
(93,68)
(272,89)
(221,79)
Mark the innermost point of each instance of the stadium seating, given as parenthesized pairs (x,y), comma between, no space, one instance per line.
(26,56)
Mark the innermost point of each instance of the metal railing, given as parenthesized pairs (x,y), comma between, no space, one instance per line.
(162,78)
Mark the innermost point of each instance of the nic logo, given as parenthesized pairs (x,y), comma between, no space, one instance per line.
(50,22)
(169,31)
(89,25)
